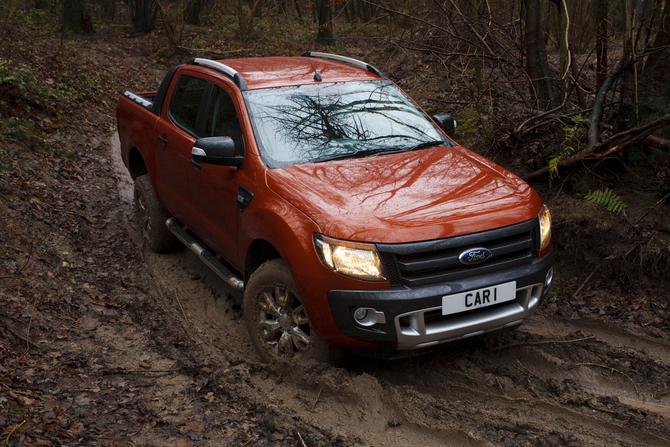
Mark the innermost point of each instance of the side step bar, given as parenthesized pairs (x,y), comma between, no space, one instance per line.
(208,258)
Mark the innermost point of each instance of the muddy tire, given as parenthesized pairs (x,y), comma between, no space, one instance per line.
(276,319)
(151,217)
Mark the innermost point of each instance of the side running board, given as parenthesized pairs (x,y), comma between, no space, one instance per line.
(207,257)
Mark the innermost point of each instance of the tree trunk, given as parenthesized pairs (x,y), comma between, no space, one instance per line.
(143,15)
(601,43)
(536,58)
(476,62)
(655,76)
(297,8)
(73,13)
(193,11)
(564,21)
(627,115)
(662,40)
(324,12)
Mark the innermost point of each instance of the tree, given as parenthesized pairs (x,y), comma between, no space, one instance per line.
(601,42)
(193,11)
(324,12)
(654,82)
(536,57)
(143,15)
(75,16)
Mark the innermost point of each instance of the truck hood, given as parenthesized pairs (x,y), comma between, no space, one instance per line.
(411,196)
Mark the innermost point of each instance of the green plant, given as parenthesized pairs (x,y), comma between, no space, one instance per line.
(572,143)
(574,133)
(6,76)
(470,122)
(65,154)
(607,199)
(3,153)
(21,130)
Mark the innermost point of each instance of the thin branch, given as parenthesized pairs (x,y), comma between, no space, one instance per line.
(20,337)
(548,112)
(651,209)
(317,398)
(136,371)
(586,281)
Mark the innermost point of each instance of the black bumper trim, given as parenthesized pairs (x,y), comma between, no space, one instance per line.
(401,300)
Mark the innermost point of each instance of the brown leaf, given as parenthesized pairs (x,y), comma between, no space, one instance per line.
(146,364)
(195,426)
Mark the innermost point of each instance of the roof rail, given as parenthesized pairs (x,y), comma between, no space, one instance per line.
(218,66)
(348,60)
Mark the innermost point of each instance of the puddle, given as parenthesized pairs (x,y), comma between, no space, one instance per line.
(645,406)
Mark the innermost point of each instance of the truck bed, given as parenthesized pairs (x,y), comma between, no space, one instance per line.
(145,99)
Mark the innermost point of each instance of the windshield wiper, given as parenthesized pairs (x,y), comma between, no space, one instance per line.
(357,154)
(381,151)
(426,145)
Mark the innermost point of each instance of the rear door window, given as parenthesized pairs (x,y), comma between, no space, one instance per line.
(186,102)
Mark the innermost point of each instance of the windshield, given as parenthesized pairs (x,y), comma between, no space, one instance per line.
(312,123)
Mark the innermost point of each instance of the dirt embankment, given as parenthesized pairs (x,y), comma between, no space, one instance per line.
(103,341)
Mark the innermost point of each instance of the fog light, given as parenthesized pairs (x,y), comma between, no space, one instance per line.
(367,316)
(361,313)
(548,278)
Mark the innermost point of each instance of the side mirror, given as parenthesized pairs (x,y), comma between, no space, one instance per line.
(446,122)
(216,151)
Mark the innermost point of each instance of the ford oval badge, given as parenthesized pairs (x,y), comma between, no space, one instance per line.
(475,256)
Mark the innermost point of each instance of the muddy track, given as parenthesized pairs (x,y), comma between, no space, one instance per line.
(582,381)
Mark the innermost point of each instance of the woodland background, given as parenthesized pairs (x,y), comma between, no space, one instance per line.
(100,345)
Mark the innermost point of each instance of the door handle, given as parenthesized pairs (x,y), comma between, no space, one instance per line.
(162,139)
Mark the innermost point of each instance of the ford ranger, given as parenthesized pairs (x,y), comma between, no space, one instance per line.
(347,217)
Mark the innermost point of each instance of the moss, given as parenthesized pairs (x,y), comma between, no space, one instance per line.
(471,123)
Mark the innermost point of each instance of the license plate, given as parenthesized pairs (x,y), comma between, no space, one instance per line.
(476,299)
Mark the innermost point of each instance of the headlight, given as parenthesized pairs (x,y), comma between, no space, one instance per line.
(349,258)
(545,227)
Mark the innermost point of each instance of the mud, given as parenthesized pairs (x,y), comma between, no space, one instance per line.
(565,378)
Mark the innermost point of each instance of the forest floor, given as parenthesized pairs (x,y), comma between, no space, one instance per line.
(103,342)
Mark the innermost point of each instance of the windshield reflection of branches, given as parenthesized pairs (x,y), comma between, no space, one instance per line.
(318,126)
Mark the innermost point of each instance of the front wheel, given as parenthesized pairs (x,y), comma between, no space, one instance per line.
(276,319)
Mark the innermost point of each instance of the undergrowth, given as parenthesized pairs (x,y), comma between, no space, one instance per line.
(607,199)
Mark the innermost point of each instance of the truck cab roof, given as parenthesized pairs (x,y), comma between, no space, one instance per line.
(280,71)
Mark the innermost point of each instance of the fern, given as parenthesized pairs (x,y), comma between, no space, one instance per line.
(607,199)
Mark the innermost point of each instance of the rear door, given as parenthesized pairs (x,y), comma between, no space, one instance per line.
(177,131)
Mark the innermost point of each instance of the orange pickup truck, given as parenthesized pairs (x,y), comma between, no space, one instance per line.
(347,216)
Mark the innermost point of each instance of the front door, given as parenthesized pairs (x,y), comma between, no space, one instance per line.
(214,188)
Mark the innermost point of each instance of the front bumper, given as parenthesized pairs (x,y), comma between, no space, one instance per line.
(414,315)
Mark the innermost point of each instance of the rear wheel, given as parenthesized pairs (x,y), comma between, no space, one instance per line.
(276,318)
(151,217)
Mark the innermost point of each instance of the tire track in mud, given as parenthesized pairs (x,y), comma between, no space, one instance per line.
(556,381)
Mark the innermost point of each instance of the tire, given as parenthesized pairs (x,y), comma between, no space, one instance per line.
(151,217)
(276,319)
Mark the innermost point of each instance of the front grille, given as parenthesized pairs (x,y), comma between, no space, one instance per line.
(433,262)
